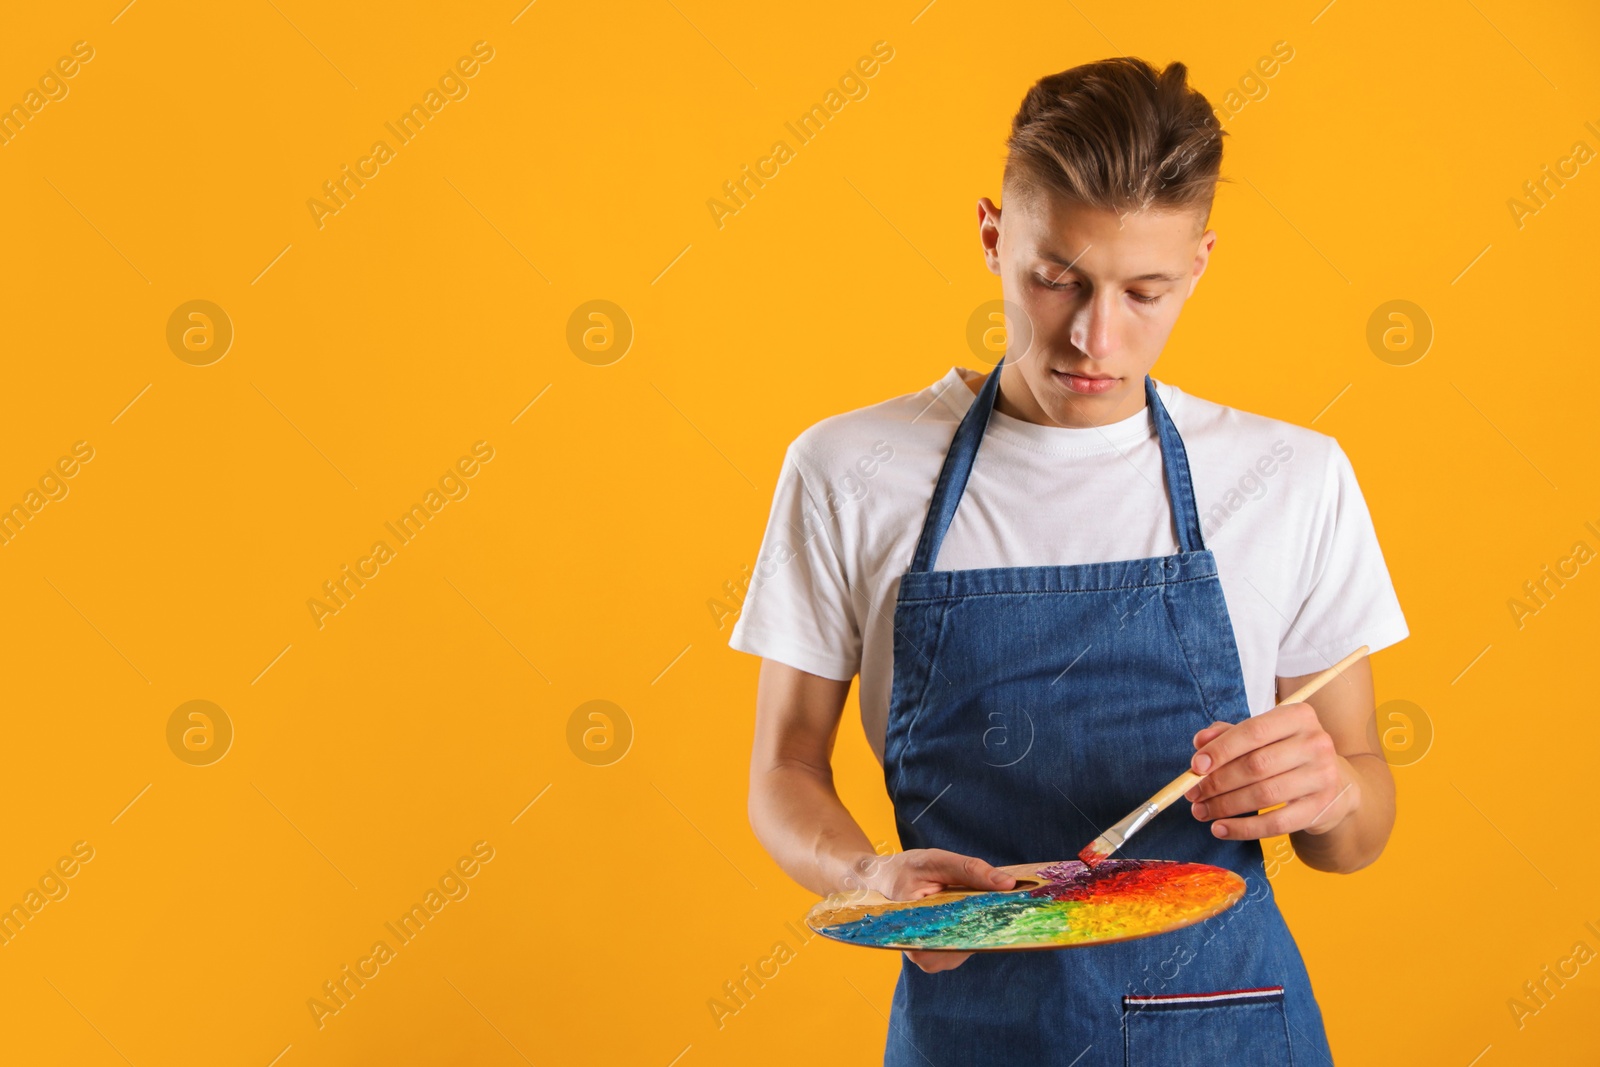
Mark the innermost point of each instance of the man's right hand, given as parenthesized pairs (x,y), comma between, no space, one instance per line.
(797,814)
(922,872)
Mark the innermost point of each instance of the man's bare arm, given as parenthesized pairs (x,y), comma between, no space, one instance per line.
(1346,707)
(798,817)
(795,811)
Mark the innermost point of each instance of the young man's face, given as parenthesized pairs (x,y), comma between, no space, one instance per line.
(1101,293)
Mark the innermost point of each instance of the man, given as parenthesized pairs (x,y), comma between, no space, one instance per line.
(1122,579)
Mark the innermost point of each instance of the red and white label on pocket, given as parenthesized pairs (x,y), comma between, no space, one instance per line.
(1191,1000)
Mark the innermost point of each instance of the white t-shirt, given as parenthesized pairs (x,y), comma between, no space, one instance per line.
(1301,570)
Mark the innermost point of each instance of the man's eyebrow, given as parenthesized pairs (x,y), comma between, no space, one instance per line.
(1154,276)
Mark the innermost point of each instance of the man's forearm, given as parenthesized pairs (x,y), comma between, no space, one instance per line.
(800,820)
(1361,836)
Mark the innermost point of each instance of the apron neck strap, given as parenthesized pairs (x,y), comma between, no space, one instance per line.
(963,451)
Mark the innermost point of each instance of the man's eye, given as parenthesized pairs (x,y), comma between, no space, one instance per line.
(1050,284)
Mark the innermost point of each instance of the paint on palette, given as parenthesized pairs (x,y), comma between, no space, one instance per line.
(1060,905)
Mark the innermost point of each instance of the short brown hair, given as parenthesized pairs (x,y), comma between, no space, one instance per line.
(1116,134)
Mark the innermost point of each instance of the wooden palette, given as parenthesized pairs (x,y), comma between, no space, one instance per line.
(1054,905)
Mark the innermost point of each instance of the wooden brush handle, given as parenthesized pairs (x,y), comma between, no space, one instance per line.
(1175,789)
(1323,679)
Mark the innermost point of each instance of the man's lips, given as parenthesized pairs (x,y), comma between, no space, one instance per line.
(1087,384)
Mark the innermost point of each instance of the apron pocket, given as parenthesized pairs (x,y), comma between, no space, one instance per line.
(1237,1027)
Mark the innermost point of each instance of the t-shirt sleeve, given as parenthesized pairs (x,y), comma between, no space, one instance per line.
(1350,600)
(798,609)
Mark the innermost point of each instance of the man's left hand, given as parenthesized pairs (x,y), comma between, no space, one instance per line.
(1282,756)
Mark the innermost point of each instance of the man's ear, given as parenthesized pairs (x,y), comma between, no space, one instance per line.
(1202,258)
(989,233)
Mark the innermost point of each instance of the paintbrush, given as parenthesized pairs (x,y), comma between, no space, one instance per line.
(1107,843)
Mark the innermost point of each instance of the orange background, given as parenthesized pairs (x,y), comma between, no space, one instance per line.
(428,313)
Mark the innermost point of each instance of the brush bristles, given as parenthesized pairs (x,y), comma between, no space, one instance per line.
(1095,852)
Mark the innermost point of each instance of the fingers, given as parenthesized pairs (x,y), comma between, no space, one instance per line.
(1277,789)
(921,872)
(1258,765)
(1296,815)
(1200,740)
(1240,738)
(933,962)
(1210,732)
(951,868)
(1280,757)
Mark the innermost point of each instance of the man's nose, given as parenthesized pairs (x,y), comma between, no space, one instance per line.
(1095,327)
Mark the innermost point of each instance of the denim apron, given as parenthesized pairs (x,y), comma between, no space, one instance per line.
(1031,708)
